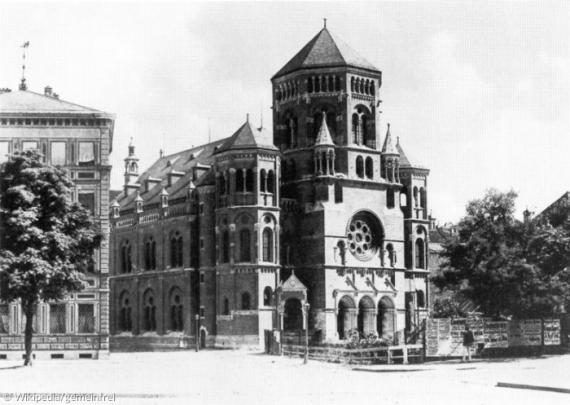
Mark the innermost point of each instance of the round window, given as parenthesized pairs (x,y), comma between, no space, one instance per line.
(364,235)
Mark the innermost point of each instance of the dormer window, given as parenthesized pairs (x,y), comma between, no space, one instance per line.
(116,213)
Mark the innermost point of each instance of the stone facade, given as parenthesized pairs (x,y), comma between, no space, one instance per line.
(79,139)
(321,196)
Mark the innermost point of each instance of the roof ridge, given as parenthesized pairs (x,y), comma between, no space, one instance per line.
(62,101)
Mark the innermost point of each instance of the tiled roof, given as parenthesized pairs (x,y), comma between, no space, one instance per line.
(181,162)
(325,50)
(248,137)
(22,102)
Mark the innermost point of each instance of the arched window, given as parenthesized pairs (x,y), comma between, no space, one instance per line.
(423,202)
(404,197)
(267,240)
(416,198)
(126,261)
(310,86)
(125,313)
(244,245)
(372,85)
(361,88)
(263,181)
(337,83)
(245,301)
(249,180)
(390,198)
(271,182)
(367,87)
(134,167)
(292,170)
(225,247)
(420,254)
(390,255)
(360,167)
(284,171)
(176,250)
(317,84)
(421,299)
(226,310)
(369,168)
(355,127)
(149,311)
(176,310)
(222,184)
(150,254)
(267,296)
(240,180)
(331,83)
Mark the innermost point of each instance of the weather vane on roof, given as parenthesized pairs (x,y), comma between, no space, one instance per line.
(23,85)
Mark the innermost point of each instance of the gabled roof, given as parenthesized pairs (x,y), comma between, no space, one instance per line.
(389,148)
(325,50)
(24,102)
(293,284)
(324,135)
(182,162)
(248,137)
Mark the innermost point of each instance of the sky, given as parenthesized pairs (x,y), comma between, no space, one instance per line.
(477,91)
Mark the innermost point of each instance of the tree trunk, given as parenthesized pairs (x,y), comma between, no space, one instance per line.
(29,311)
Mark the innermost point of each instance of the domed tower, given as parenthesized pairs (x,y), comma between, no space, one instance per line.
(247,227)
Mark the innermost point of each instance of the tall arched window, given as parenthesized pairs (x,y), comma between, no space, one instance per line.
(149,311)
(263,180)
(126,261)
(249,180)
(267,296)
(310,86)
(284,171)
(416,197)
(244,245)
(225,247)
(176,310)
(337,83)
(271,182)
(423,201)
(267,240)
(369,168)
(355,128)
(420,254)
(240,180)
(352,84)
(125,314)
(150,253)
(176,250)
(245,301)
(226,310)
(360,167)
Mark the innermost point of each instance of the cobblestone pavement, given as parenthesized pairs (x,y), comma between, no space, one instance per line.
(241,377)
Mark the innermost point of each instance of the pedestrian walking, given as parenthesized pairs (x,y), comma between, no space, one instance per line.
(468,341)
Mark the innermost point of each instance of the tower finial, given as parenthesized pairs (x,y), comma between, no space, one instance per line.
(247,117)
(325,22)
(23,85)
(260,116)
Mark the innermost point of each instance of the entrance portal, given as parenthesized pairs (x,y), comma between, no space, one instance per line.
(345,318)
(385,319)
(293,316)
(366,315)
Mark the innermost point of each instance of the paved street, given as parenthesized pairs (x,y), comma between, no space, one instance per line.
(239,377)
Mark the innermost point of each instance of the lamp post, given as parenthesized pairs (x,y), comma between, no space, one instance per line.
(306,308)
(197,317)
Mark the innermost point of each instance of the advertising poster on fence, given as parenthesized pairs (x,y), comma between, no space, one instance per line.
(496,334)
(438,338)
(551,332)
(525,332)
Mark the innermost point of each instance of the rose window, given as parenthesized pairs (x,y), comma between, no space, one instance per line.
(363,236)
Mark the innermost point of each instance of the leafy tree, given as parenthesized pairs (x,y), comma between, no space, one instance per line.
(47,240)
(505,266)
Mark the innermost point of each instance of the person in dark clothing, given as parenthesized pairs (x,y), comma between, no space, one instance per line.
(468,341)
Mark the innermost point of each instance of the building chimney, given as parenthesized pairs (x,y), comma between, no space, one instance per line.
(48,91)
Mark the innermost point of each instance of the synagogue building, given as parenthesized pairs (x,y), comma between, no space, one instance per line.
(213,241)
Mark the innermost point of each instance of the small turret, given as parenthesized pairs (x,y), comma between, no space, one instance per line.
(131,170)
(324,150)
(390,159)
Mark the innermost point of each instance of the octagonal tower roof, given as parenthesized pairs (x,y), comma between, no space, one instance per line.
(325,50)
